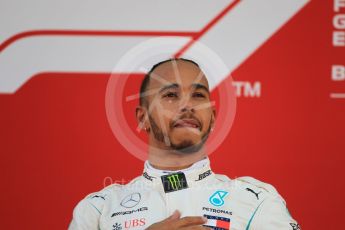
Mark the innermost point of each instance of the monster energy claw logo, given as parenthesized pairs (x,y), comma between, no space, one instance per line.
(174,182)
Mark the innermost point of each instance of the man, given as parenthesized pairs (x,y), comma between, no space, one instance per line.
(178,190)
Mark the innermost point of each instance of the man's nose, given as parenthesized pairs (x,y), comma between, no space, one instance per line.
(186,105)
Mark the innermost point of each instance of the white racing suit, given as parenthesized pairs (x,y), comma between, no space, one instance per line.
(240,204)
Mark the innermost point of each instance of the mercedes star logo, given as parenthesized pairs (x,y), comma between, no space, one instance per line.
(131,200)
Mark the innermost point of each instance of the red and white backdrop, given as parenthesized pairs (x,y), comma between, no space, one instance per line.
(57,142)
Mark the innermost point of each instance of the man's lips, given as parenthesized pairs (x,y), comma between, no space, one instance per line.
(187,123)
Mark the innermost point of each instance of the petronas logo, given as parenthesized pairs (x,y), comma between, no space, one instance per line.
(217,199)
(174,182)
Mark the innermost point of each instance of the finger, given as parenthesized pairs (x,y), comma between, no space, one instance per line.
(175,216)
(191,220)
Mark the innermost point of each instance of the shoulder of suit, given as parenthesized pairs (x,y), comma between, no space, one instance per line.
(251,182)
(100,197)
(95,201)
(103,195)
(247,182)
(257,183)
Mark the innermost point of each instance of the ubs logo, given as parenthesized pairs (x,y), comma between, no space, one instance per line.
(135,223)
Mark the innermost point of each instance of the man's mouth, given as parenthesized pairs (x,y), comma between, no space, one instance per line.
(187,123)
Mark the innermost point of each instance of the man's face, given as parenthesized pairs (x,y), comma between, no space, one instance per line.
(179,111)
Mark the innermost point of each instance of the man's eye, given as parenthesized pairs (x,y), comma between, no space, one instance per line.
(198,95)
(170,94)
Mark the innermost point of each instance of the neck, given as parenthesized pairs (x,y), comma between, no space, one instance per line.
(171,160)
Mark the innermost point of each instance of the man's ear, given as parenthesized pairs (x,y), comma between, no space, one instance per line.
(141,115)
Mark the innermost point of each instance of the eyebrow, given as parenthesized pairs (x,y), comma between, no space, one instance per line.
(170,86)
(175,85)
(200,86)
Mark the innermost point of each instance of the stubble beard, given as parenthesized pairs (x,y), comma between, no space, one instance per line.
(186,146)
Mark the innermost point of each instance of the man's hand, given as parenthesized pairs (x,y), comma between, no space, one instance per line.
(176,222)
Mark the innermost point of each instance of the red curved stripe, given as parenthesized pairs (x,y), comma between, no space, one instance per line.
(26,34)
